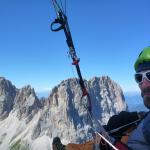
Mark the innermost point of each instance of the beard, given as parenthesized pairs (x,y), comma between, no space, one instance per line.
(146,97)
(146,100)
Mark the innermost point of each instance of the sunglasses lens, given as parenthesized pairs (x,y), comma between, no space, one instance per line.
(148,75)
(138,77)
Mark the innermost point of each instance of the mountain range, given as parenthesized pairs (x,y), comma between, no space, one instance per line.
(30,123)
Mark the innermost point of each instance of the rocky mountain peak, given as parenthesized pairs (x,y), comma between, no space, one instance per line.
(65,102)
(26,102)
(7,95)
(66,89)
(107,95)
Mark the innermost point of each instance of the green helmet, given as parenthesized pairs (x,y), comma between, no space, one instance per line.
(144,56)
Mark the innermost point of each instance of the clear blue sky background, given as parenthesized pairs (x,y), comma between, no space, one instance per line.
(108,36)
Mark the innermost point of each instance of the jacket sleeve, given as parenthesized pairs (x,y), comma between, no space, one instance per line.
(146,128)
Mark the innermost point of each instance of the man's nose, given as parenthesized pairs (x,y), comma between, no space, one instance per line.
(145,83)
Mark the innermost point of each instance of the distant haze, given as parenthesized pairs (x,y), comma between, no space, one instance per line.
(134,101)
(44,94)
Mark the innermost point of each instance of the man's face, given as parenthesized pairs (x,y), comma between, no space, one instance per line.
(145,88)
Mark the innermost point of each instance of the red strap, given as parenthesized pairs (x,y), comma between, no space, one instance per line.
(84,93)
(75,62)
(121,146)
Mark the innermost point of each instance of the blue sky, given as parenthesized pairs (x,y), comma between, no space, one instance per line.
(108,36)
